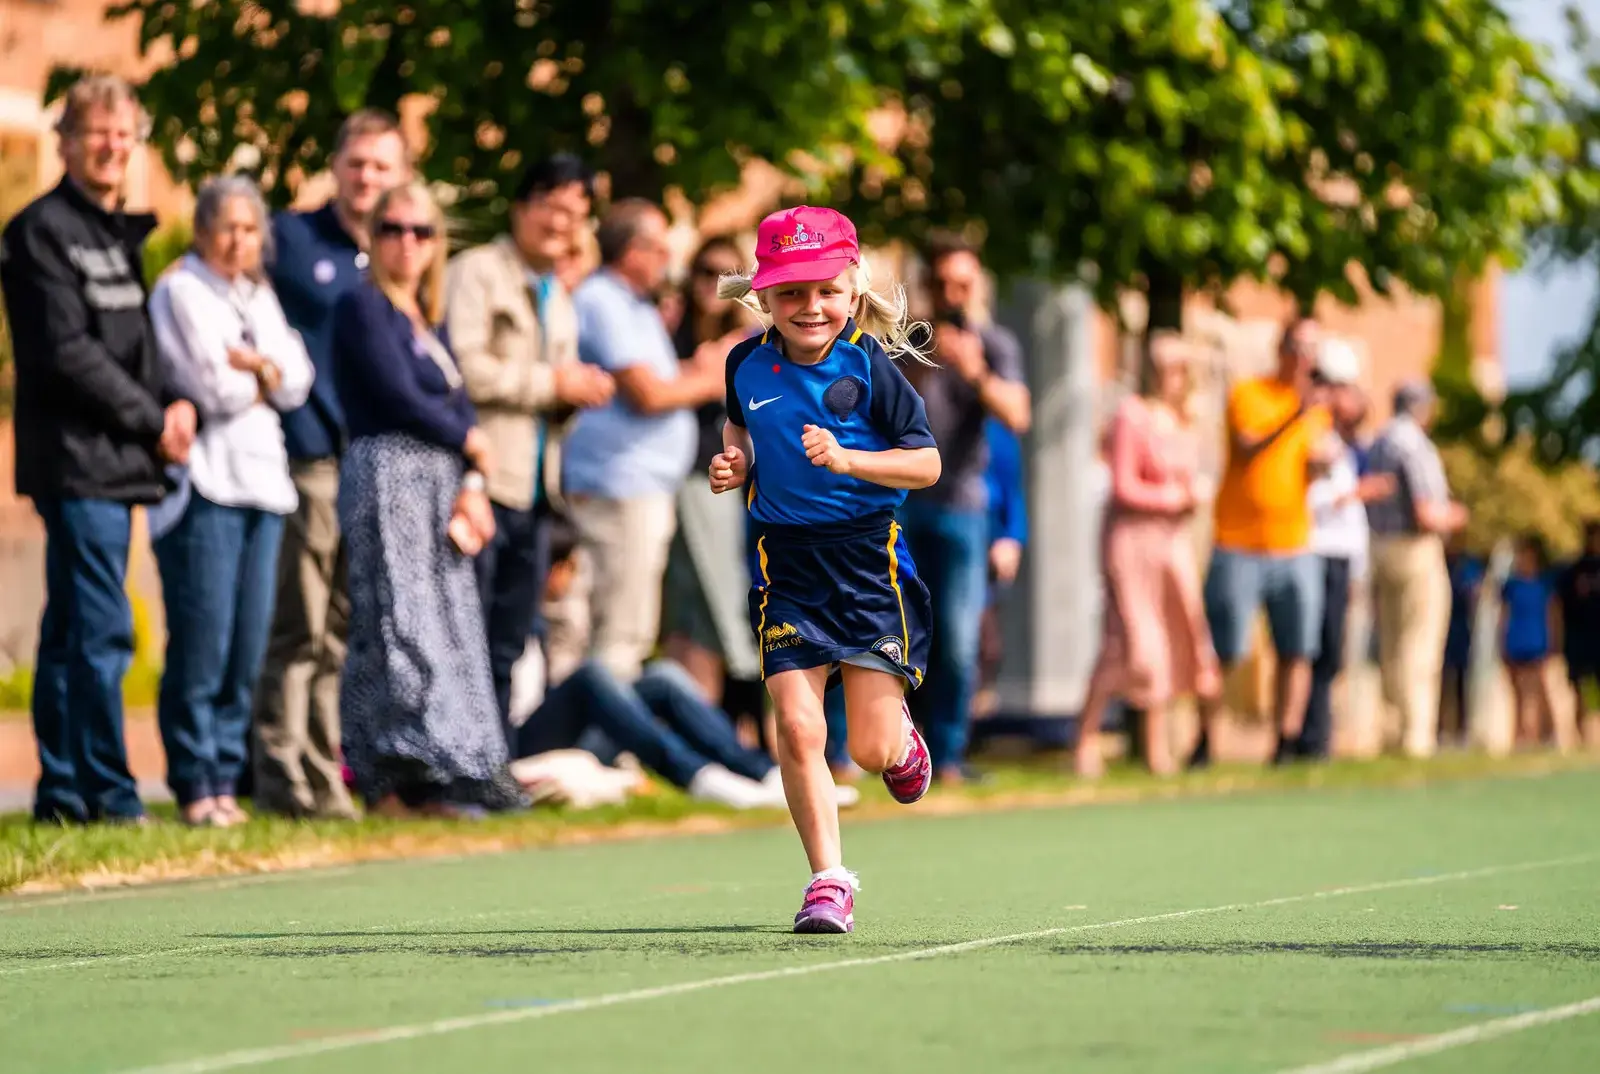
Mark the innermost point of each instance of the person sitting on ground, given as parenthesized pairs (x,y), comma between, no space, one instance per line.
(663,718)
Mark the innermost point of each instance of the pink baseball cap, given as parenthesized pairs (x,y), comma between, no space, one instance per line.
(803,245)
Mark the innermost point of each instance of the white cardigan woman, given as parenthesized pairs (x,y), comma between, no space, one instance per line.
(227,347)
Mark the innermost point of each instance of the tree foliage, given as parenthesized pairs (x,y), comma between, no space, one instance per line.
(1560,418)
(658,95)
(1511,492)
(1195,142)
(1162,143)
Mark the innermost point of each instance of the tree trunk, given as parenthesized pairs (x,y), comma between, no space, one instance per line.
(1164,295)
(1164,310)
(629,155)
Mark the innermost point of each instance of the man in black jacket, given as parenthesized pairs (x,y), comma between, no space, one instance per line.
(94,430)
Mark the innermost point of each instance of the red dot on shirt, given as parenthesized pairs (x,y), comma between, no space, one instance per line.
(777,369)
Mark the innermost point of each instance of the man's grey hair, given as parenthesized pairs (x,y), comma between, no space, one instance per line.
(215,193)
(99,91)
(1413,395)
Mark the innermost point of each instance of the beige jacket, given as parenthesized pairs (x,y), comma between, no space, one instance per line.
(508,362)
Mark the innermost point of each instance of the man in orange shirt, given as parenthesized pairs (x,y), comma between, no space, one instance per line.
(1261,557)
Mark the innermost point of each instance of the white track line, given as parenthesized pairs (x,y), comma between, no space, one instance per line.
(1356,1062)
(251,1057)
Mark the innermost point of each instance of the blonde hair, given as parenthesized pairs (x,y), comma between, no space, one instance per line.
(883,315)
(1150,387)
(430,291)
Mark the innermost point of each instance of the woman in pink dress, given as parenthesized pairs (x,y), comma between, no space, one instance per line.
(1157,644)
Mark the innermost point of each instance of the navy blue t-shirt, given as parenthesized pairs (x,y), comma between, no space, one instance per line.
(856,392)
(315,263)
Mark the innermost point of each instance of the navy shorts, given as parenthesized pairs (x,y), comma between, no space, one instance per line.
(838,593)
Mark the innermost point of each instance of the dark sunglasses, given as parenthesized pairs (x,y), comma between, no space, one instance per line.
(393,229)
(712,272)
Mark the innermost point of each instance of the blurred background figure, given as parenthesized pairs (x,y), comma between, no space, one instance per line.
(1466,580)
(1526,640)
(96,425)
(1008,536)
(705,625)
(1579,595)
(422,728)
(319,256)
(1261,558)
(663,719)
(1157,644)
(1338,538)
(226,345)
(1410,580)
(625,462)
(977,374)
(514,331)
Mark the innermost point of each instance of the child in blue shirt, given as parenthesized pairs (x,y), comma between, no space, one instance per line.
(1526,635)
(827,434)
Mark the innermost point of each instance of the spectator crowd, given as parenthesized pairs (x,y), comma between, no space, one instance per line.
(425,523)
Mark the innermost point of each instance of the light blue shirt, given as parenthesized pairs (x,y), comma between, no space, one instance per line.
(614,452)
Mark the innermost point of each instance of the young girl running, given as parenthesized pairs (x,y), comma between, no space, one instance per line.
(827,434)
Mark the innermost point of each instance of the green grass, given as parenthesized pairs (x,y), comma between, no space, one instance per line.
(1203,934)
(34,857)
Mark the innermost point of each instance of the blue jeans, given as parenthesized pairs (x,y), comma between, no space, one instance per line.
(85,646)
(951,550)
(511,575)
(661,719)
(219,573)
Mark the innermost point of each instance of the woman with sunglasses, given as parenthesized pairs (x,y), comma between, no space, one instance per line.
(422,729)
(225,344)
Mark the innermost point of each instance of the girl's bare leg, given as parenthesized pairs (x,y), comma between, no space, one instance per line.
(875,704)
(802,739)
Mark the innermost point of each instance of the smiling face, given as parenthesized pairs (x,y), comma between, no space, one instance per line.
(366,166)
(545,226)
(809,316)
(96,152)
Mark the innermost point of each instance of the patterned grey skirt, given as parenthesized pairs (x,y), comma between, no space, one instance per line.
(417,702)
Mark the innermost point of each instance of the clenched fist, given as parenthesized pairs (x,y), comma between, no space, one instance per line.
(823,449)
(728,470)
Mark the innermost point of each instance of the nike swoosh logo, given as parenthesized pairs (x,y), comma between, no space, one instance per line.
(757,406)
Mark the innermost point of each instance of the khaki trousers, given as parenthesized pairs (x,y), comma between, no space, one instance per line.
(1412,588)
(297,763)
(613,613)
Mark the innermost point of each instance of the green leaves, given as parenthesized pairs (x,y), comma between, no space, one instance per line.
(1189,141)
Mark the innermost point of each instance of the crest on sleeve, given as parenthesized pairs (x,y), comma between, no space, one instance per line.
(843,396)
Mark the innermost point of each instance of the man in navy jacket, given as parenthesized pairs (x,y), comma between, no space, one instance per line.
(95,427)
(320,255)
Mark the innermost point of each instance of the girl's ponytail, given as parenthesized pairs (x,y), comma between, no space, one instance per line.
(888,318)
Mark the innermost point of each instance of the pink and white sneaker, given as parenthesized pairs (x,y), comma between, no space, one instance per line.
(909,780)
(829,907)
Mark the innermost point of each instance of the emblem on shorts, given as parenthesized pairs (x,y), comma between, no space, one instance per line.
(780,636)
(892,648)
(844,395)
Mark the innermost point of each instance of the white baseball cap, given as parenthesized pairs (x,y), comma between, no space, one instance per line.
(1338,362)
